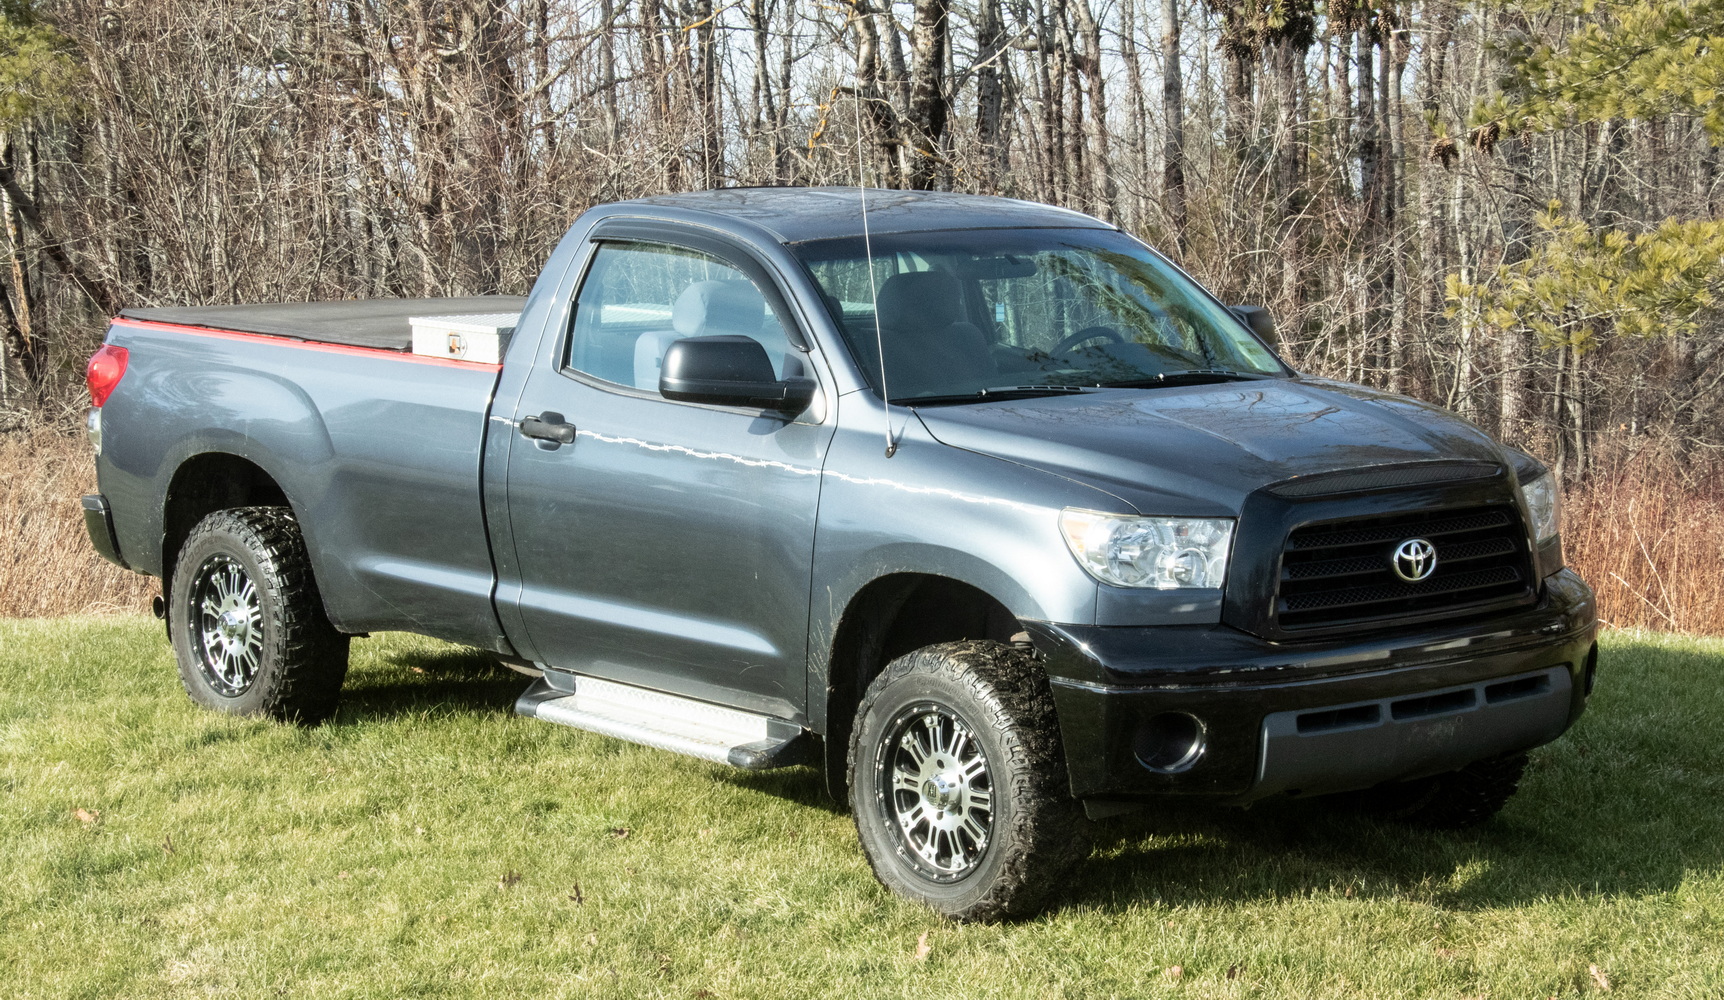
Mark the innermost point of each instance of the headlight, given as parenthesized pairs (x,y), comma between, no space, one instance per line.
(1544,503)
(1158,553)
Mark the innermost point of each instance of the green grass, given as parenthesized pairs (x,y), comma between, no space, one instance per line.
(427,842)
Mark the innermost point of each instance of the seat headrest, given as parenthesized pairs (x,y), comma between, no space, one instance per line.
(710,308)
(919,300)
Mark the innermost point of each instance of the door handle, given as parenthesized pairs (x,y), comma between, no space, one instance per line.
(548,426)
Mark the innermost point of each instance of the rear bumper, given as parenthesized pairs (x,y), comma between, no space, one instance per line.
(1316,717)
(99,522)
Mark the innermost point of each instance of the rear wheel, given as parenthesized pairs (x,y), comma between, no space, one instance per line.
(247,622)
(958,782)
(1452,801)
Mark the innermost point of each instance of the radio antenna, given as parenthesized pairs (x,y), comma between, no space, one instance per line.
(873,285)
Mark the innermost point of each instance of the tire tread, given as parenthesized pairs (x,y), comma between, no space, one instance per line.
(1047,837)
(311,655)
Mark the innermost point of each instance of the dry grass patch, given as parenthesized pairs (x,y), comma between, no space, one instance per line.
(1653,551)
(47,566)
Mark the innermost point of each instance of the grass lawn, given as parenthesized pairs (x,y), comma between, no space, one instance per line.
(428,843)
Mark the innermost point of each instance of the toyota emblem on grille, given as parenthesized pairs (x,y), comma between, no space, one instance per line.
(1414,560)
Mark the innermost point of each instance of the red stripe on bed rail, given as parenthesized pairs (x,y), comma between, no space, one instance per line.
(310,345)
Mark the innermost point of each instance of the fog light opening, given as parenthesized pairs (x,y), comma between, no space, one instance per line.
(1169,742)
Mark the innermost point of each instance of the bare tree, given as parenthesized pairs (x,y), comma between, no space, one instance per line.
(1325,161)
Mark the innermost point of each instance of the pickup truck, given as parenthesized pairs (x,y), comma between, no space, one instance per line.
(983,508)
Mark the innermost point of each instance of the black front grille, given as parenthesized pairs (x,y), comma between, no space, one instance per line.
(1341,573)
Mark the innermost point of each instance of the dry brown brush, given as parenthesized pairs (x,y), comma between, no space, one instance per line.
(1654,552)
(47,566)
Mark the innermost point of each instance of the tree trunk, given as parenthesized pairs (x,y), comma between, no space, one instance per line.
(867,91)
(706,94)
(1100,165)
(93,288)
(1137,127)
(990,95)
(927,109)
(1173,116)
(1395,63)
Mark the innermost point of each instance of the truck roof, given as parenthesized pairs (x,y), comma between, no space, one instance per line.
(799,214)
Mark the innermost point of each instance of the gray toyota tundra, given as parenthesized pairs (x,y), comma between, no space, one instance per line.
(983,508)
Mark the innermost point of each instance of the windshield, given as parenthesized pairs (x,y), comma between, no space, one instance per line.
(965,312)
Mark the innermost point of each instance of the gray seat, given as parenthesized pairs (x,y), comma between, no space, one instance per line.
(929,345)
(713,308)
(704,309)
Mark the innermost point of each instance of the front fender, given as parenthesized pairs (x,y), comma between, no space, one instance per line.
(938,511)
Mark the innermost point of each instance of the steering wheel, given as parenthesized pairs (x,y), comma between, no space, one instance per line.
(1088,333)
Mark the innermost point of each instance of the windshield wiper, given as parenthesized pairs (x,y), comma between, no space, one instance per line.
(997,392)
(1195,376)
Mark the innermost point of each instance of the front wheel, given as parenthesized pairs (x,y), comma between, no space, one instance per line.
(958,783)
(247,622)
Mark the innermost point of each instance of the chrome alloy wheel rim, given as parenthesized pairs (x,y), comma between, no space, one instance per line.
(227,625)
(936,791)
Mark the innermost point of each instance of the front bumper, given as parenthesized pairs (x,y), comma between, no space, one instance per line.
(1317,717)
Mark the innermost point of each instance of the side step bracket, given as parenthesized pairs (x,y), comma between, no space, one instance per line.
(667,721)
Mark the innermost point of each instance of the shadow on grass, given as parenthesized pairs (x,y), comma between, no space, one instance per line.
(805,786)
(1187,853)
(414,681)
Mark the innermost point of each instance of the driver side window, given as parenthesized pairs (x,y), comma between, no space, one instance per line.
(639,298)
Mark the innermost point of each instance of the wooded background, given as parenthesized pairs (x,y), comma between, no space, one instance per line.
(1480,204)
(1507,207)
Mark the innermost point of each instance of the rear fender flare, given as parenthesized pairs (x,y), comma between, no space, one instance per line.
(291,445)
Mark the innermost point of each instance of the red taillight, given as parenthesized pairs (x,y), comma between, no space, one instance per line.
(107,366)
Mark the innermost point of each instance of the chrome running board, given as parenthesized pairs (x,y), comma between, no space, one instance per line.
(666,721)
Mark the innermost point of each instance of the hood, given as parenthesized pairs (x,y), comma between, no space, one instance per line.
(1200,450)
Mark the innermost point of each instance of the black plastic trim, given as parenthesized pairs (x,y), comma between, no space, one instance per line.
(1413,737)
(766,755)
(543,688)
(99,522)
(1385,477)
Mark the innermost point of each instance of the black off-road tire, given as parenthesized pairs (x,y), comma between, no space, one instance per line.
(1035,834)
(300,659)
(1453,801)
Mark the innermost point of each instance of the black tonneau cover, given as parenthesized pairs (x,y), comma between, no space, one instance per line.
(378,323)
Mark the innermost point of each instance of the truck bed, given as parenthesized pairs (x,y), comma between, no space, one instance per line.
(379,455)
(380,324)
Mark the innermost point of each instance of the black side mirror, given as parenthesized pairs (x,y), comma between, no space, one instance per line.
(1258,320)
(729,371)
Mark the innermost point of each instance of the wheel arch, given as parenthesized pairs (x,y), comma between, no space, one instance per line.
(202,484)
(891,615)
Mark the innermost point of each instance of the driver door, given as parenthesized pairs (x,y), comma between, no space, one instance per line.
(669,544)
